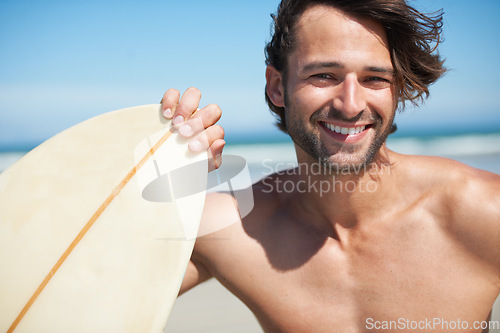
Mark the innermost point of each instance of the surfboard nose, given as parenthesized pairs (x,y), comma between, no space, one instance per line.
(81,250)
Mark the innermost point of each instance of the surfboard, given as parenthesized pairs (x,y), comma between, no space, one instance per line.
(81,248)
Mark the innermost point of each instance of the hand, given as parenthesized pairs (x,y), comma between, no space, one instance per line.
(196,123)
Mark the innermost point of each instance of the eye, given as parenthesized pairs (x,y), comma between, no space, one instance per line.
(323,79)
(377,82)
(376,78)
(322,76)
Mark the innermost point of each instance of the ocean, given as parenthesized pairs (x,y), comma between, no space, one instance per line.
(481,151)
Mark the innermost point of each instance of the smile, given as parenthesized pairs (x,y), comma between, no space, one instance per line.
(344,130)
(350,134)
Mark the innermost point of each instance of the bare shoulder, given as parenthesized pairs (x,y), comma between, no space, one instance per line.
(224,212)
(465,199)
(224,236)
(462,185)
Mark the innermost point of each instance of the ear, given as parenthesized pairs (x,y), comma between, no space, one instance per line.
(274,86)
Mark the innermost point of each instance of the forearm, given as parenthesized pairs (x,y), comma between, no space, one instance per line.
(196,273)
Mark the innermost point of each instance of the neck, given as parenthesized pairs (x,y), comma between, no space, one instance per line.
(344,199)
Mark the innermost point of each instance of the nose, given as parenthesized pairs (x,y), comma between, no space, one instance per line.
(349,98)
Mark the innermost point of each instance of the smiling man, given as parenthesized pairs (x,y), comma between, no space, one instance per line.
(416,250)
(337,88)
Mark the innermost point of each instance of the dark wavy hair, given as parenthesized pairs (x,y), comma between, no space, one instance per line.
(413,40)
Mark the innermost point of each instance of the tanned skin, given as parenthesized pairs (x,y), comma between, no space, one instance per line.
(409,237)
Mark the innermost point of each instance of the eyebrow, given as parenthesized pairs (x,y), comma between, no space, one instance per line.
(321,64)
(380,69)
(335,64)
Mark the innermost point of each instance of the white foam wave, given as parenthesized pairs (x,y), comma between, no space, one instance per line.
(465,145)
(283,154)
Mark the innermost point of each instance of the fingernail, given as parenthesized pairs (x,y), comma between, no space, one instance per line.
(186,130)
(167,113)
(195,145)
(178,120)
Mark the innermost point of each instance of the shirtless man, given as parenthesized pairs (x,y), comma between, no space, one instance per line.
(396,242)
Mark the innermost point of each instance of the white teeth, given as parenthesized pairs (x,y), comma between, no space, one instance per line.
(345,130)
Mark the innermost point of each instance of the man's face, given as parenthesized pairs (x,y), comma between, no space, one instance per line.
(339,94)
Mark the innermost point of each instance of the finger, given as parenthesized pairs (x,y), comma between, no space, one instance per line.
(187,105)
(202,119)
(205,139)
(209,115)
(169,102)
(215,154)
(191,127)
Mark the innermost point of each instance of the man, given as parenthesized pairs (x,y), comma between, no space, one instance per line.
(394,242)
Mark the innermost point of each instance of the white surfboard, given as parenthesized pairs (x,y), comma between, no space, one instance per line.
(81,250)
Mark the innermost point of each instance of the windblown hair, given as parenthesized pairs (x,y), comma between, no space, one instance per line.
(413,40)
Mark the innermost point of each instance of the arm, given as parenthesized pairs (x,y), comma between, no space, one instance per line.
(196,273)
(213,244)
(476,214)
(200,125)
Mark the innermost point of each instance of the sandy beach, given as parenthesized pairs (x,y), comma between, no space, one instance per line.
(210,308)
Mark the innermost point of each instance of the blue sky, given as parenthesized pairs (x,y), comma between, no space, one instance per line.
(62,62)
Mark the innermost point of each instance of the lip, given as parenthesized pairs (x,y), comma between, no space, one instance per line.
(345,138)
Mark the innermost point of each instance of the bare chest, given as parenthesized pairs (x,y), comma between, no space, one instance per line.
(399,278)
